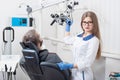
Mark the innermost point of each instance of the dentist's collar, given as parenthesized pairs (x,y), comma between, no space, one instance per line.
(87,37)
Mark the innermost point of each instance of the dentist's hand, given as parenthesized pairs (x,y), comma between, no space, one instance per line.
(68,25)
(64,66)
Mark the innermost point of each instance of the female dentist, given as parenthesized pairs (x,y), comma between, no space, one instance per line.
(86,47)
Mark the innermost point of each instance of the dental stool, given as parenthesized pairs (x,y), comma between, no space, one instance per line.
(41,70)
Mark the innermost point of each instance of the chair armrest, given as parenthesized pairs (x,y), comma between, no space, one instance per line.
(48,64)
(65,73)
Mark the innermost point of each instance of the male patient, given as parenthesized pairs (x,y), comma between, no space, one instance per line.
(34,37)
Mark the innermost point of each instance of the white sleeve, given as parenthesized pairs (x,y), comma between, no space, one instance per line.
(91,53)
(69,40)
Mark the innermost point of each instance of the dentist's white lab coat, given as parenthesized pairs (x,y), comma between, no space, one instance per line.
(84,54)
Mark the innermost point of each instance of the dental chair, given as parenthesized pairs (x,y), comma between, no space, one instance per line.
(40,70)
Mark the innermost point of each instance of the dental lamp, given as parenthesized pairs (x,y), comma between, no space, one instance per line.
(67,14)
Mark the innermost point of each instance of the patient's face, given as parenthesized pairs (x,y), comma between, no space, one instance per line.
(39,46)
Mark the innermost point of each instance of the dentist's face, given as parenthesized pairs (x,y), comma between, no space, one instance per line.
(87,24)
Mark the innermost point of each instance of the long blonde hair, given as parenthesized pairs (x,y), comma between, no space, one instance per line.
(95,30)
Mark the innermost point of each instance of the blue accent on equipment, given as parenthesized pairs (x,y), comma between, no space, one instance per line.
(19,21)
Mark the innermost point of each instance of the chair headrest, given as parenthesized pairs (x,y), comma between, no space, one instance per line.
(29,45)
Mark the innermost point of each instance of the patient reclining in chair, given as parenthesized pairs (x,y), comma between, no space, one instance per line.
(38,63)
